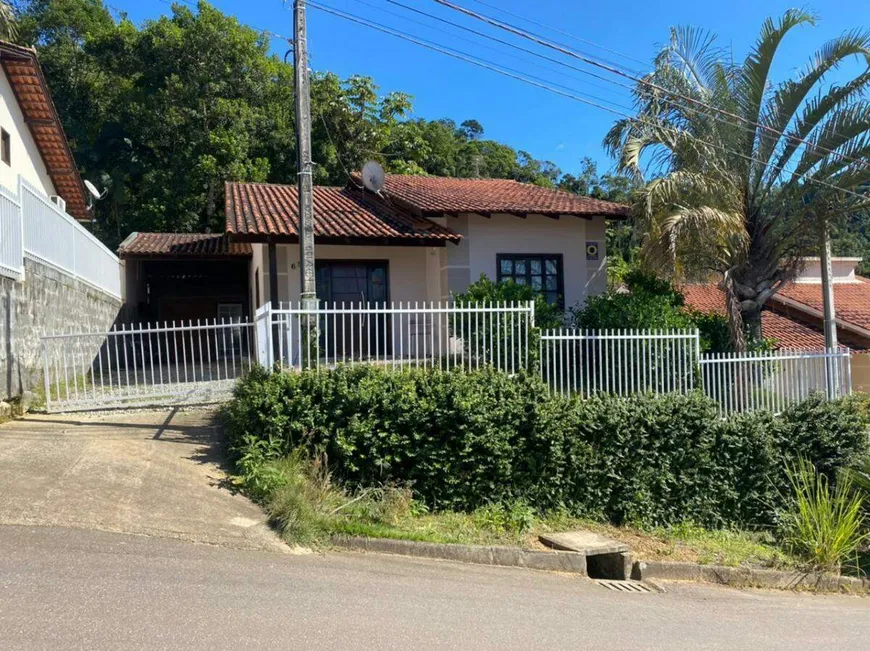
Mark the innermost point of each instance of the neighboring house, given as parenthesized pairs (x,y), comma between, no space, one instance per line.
(794,315)
(424,238)
(786,333)
(32,141)
(54,275)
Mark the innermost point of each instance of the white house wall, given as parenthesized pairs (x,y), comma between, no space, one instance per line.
(414,271)
(486,237)
(26,159)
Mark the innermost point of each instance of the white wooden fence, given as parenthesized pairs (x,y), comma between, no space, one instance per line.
(32,226)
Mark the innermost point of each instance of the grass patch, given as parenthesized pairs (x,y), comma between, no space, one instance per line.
(308,508)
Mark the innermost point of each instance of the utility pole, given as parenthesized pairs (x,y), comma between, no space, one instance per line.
(304,164)
(832,366)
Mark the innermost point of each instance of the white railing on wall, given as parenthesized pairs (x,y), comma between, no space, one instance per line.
(11,236)
(53,237)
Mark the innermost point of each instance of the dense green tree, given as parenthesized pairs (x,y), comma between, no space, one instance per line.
(163,113)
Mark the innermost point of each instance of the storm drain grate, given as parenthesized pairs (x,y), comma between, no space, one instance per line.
(624,586)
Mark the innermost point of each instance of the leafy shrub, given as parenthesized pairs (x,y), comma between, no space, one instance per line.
(647,302)
(487,291)
(824,520)
(465,440)
(502,337)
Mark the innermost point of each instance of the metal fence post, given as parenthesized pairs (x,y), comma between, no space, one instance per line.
(46,382)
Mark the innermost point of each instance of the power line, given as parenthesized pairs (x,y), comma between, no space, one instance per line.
(492,49)
(538,82)
(457,54)
(563,33)
(538,55)
(610,68)
(586,72)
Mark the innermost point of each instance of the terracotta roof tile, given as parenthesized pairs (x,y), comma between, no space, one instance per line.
(433,194)
(183,245)
(788,333)
(260,210)
(31,90)
(851,300)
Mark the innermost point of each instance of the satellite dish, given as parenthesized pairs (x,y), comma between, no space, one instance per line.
(93,190)
(373,176)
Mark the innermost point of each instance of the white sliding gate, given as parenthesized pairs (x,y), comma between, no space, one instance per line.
(145,365)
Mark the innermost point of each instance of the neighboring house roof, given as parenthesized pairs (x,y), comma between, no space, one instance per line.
(432,195)
(182,245)
(31,90)
(788,333)
(851,301)
(267,212)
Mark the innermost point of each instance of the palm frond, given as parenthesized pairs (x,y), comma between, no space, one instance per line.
(787,100)
(753,83)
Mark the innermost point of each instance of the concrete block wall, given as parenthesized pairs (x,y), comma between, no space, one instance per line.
(48,301)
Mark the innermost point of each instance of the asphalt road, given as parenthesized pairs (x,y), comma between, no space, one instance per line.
(79,589)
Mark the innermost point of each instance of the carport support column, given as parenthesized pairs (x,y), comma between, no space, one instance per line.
(273,297)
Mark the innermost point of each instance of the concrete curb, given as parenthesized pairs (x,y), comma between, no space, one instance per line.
(743,577)
(554,561)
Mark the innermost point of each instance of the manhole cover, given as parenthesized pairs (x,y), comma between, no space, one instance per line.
(624,586)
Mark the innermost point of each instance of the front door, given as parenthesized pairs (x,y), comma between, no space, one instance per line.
(352,284)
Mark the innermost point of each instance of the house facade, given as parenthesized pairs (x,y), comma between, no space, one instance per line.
(55,276)
(423,239)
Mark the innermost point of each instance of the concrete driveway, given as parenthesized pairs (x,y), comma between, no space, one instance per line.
(155,473)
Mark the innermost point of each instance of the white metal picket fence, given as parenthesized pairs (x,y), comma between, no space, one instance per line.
(773,380)
(181,363)
(32,226)
(146,365)
(619,361)
(432,334)
(11,237)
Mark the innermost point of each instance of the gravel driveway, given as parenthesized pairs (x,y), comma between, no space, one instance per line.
(157,473)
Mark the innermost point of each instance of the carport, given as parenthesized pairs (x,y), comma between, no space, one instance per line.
(186,277)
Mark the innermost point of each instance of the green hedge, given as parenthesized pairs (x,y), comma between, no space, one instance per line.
(465,439)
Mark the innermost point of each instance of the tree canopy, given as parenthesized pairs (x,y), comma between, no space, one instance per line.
(162,113)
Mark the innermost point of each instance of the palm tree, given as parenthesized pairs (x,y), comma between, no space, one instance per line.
(740,189)
(8,24)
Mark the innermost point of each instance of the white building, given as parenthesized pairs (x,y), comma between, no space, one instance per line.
(425,238)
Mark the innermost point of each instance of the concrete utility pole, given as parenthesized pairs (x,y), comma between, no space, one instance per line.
(828,303)
(308,285)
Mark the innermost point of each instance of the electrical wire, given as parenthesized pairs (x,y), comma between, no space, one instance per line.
(483,63)
(610,68)
(543,84)
(562,32)
(748,128)
(514,46)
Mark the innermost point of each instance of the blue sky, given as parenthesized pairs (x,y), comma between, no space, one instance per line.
(529,118)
